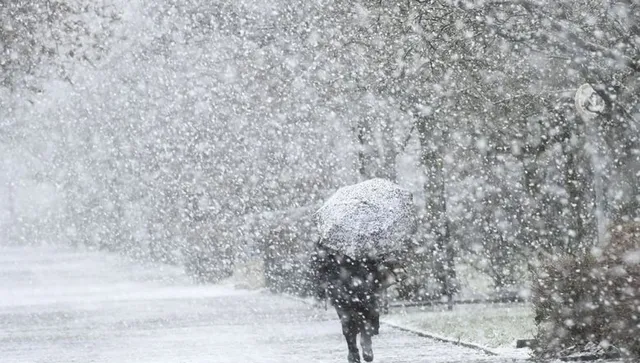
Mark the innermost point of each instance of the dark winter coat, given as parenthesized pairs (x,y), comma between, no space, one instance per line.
(352,285)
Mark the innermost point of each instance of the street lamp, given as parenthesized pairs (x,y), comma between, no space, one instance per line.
(589,105)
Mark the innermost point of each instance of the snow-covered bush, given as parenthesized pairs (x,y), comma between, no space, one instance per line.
(286,262)
(248,274)
(592,298)
(208,257)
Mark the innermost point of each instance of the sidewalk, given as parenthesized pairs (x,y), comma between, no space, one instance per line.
(66,306)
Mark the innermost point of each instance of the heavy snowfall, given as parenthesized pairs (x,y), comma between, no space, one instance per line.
(173,177)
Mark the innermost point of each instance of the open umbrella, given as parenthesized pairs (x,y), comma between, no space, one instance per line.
(372,217)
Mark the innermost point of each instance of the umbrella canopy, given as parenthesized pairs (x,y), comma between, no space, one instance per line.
(372,217)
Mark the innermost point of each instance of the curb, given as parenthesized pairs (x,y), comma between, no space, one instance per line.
(294,298)
(417,332)
(440,338)
(410,304)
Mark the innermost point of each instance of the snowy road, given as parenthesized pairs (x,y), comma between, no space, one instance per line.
(66,306)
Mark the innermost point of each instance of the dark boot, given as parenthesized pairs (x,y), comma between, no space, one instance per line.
(353,357)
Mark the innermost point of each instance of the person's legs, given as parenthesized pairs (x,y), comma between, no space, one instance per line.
(372,324)
(369,329)
(367,349)
(349,323)
(369,326)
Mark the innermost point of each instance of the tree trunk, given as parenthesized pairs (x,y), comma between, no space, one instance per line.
(436,219)
(364,149)
(388,168)
(576,193)
(388,157)
(13,218)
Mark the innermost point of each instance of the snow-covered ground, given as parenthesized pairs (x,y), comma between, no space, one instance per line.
(494,326)
(67,306)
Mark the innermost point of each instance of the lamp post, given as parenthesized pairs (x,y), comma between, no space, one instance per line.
(589,105)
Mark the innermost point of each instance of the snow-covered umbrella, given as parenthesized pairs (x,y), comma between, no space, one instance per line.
(372,217)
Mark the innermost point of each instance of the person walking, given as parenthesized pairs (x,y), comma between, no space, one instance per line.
(359,225)
(353,286)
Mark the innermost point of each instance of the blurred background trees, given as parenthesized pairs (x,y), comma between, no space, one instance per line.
(170,130)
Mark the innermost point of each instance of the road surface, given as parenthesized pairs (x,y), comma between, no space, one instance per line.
(70,306)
